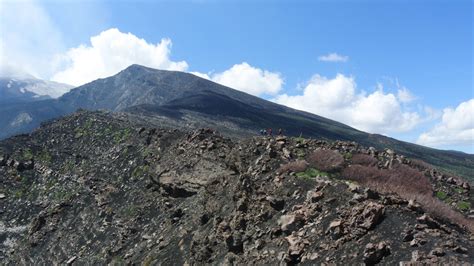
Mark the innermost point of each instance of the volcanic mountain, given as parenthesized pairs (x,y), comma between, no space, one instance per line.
(182,100)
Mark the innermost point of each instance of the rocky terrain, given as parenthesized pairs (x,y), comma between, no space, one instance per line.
(187,102)
(98,187)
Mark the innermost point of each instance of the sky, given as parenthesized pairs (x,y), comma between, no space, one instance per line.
(399,68)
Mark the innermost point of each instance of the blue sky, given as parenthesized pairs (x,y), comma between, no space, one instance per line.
(421,47)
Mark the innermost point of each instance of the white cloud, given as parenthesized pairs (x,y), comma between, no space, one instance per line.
(112,51)
(455,128)
(247,78)
(338,99)
(405,95)
(333,57)
(201,75)
(28,37)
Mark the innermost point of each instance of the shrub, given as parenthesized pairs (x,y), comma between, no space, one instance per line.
(311,173)
(441,195)
(463,205)
(326,160)
(420,165)
(401,179)
(364,159)
(296,166)
(409,184)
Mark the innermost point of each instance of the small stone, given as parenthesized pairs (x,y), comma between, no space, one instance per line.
(460,250)
(374,253)
(438,252)
(290,222)
(425,219)
(2,196)
(276,203)
(71,260)
(335,224)
(416,255)
(313,196)
(147,237)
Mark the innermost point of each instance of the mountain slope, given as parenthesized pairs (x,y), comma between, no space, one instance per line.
(13,89)
(99,188)
(184,100)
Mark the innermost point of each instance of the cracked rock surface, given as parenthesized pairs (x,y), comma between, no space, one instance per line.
(93,188)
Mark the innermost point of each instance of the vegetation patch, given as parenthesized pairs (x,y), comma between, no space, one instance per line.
(326,160)
(311,173)
(441,195)
(464,206)
(44,157)
(140,171)
(122,135)
(27,154)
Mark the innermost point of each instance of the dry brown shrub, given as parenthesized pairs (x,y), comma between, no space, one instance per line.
(364,159)
(295,166)
(326,160)
(409,184)
(443,211)
(401,179)
(420,165)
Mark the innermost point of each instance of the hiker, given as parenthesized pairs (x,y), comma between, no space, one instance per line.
(280,132)
(262,132)
(269,132)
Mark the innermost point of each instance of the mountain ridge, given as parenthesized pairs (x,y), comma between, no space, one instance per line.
(99,187)
(183,98)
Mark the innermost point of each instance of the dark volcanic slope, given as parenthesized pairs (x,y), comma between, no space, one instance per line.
(184,100)
(94,188)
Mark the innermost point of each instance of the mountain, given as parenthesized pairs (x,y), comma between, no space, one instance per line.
(28,89)
(103,188)
(182,100)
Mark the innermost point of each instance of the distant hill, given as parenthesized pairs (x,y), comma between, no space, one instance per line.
(182,100)
(28,89)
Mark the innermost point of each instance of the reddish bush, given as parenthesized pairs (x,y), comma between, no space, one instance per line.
(364,159)
(409,184)
(326,160)
(296,166)
(443,211)
(401,179)
(420,165)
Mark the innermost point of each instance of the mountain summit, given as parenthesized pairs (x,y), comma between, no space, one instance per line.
(182,100)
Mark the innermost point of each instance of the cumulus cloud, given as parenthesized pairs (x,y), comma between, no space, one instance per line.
(247,78)
(111,51)
(339,99)
(28,38)
(455,128)
(333,57)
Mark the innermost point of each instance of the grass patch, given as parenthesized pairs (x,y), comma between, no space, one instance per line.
(130,211)
(300,153)
(441,195)
(464,206)
(140,171)
(122,135)
(347,155)
(311,173)
(44,157)
(27,155)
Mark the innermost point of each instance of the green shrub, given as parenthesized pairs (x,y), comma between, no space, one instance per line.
(44,157)
(441,195)
(463,205)
(310,173)
(27,155)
